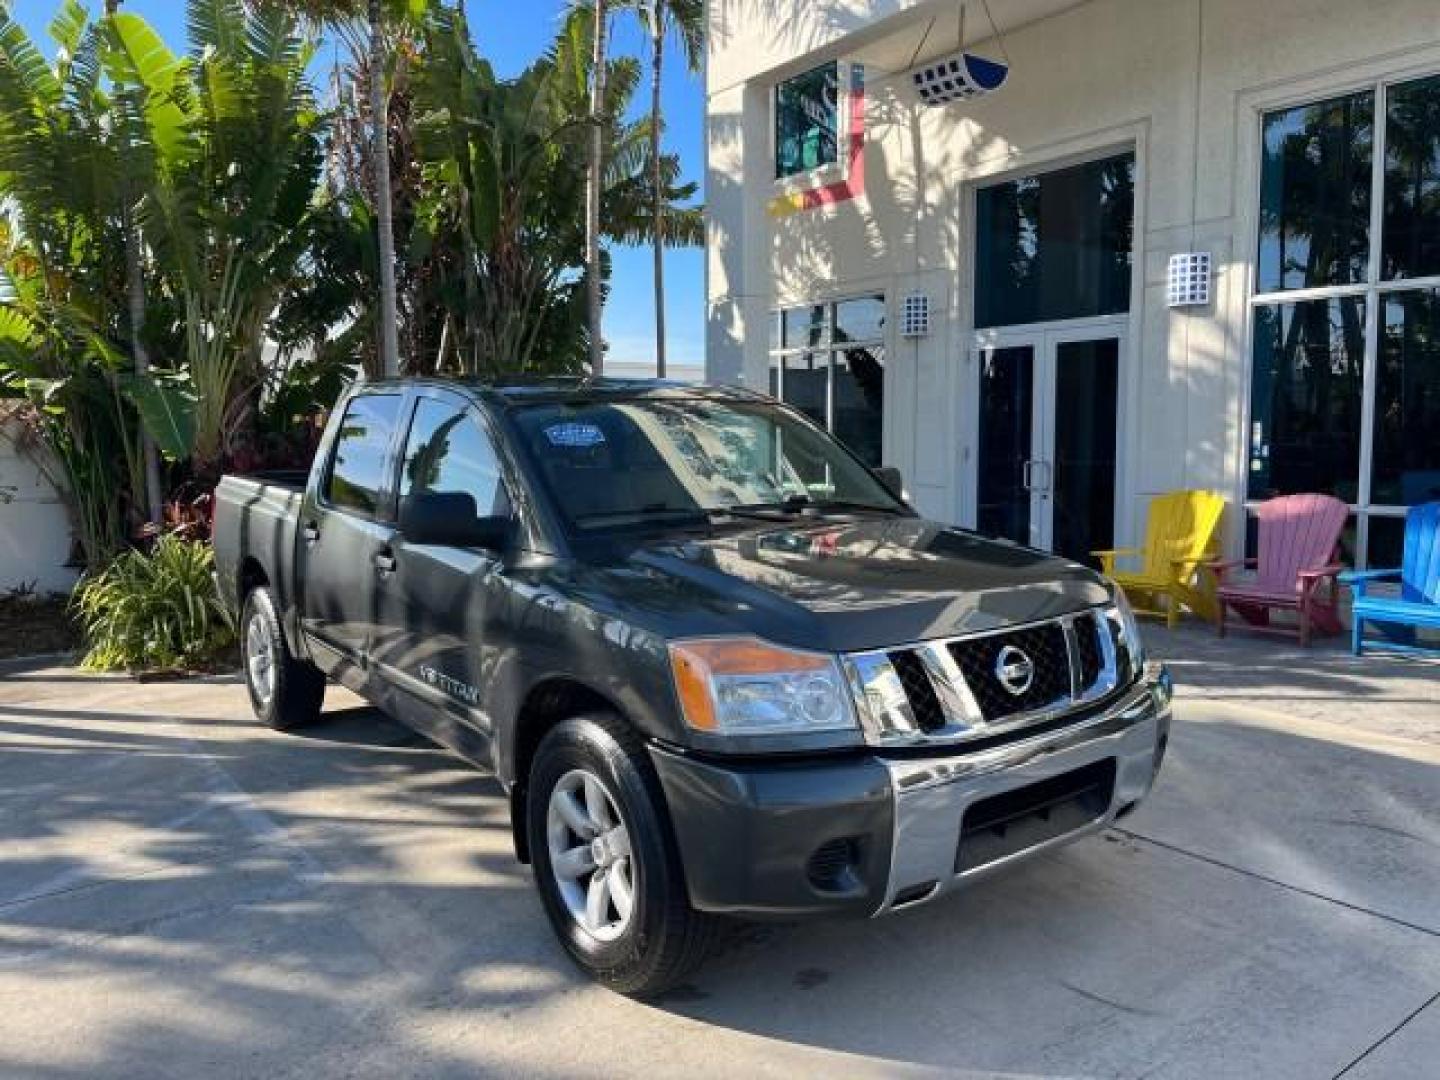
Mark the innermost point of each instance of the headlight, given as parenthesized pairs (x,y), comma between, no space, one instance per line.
(744,686)
(1130,632)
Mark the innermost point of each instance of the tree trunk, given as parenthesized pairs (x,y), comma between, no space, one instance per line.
(135,295)
(657,194)
(380,149)
(594,182)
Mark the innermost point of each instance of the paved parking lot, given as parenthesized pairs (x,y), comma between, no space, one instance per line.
(183,894)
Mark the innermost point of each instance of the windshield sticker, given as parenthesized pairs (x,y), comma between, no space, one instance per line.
(574,435)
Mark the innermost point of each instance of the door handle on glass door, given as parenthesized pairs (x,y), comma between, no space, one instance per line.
(1027,475)
(311,532)
(385,562)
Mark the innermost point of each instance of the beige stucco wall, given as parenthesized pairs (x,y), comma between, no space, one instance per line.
(1182,81)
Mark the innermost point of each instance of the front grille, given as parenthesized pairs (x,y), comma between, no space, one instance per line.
(919,691)
(956,690)
(1045,647)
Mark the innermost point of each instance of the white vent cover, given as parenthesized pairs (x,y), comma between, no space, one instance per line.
(958,77)
(915,316)
(1188,282)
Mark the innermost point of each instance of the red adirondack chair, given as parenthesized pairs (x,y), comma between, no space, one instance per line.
(1296,568)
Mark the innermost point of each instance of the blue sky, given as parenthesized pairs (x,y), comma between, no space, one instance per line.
(511,33)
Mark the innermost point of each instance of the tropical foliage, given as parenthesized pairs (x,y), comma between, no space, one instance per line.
(155,609)
(190,235)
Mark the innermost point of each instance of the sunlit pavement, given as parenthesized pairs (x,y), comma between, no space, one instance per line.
(184,894)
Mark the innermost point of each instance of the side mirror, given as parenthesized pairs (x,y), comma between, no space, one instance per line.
(451,519)
(891,478)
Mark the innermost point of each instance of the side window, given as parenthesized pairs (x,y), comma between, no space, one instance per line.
(807,121)
(357,471)
(448,451)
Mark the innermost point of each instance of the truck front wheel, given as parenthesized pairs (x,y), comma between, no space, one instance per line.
(284,692)
(605,862)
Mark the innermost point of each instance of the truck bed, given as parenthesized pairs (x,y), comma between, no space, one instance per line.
(255,521)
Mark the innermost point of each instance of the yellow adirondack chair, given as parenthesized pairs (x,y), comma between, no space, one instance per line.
(1179,536)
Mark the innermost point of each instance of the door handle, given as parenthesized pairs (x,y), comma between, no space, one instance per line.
(1045,484)
(311,532)
(385,561)
(1027,475)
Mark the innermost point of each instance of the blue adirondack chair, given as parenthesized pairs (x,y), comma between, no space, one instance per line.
(1419,601)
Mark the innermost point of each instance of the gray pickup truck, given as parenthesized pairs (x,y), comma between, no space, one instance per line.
(719,665)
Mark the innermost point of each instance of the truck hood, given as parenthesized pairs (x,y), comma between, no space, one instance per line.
(845,586)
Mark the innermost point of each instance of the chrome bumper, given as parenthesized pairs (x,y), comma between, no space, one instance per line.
(932,795)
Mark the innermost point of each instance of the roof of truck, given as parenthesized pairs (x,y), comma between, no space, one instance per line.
(521,389)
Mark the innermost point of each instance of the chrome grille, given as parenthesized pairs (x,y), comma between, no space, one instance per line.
(951,691)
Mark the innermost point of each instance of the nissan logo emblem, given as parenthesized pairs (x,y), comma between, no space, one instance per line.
(1014,670)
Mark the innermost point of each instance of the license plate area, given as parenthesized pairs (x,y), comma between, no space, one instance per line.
(1002,825)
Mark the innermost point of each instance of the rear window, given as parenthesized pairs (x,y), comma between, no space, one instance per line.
(357,471)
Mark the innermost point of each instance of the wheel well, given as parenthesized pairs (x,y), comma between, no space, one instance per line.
(252,576)
(547,704)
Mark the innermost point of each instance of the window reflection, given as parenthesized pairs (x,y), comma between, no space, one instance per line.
(1412,180)
(1057,245)
(1315,194)
(807,112)
(1406,463)
(1305,398)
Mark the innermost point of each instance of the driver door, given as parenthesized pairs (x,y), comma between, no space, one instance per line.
(438,600)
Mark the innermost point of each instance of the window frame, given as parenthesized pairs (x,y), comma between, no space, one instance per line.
(778,352)
(821,174)
(1374,290)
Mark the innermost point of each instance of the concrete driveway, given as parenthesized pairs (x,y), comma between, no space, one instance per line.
(184,894)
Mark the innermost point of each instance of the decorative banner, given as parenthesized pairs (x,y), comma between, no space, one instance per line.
(853,185)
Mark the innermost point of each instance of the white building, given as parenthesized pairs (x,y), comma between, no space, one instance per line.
(1294,142)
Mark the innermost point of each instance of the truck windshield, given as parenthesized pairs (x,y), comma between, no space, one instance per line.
(622,461)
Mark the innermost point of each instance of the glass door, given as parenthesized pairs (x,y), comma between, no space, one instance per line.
(1046,461)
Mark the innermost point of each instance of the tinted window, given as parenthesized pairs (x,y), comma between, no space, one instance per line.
(1305,398)
(807,110)
(626,462)
(1057,245)
(1412,180)
(1406,468)
(447,451)
(1315,194)
(357,471)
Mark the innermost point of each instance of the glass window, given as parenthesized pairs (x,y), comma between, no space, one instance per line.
(1387,548)
(357,471)
(1405,466)
(1412,180)
(859,406)
(831,366)
(1315,194)
(448,451)
(629,462)
(807,114)
(1305,398)
(1057,245)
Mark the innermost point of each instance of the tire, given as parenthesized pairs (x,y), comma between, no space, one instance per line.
(662,938)
(284,692)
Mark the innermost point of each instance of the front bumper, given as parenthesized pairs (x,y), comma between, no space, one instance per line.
(872,834)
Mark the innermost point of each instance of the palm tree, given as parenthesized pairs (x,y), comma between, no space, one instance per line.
(686,17)
(594,186)
(374,13)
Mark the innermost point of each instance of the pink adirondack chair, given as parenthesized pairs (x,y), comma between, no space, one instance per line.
(1299,541)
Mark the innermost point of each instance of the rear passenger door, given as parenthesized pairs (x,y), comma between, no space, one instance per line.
(437,603)
(346,534)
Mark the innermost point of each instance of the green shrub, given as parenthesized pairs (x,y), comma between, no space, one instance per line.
(155,610)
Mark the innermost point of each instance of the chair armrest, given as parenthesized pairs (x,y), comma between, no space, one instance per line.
(1107,557)
(1220,567)
(1321,572)
(1359,579)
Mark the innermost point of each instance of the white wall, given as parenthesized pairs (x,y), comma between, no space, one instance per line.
(34,528)
(1183,81)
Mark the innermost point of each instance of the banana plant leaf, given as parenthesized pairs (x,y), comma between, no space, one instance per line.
(166,405)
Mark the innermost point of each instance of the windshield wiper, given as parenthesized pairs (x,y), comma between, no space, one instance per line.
(795,504)
(644,513)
